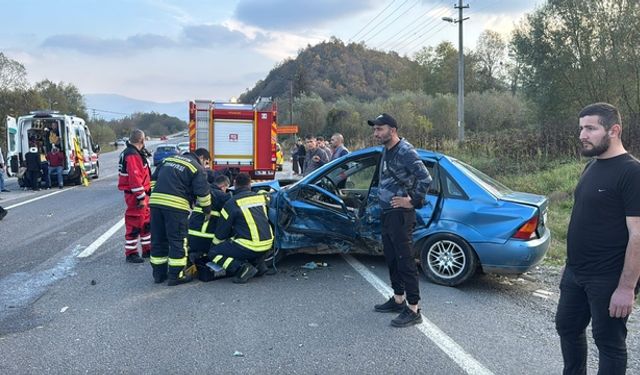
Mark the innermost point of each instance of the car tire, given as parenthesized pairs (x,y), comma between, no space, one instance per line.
(447,259)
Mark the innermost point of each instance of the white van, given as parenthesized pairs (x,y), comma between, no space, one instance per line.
(37,129)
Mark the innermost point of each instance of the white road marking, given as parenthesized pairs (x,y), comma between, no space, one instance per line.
(100,240)
(469,364)
(38,198)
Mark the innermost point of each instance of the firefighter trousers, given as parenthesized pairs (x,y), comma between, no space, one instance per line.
(231,256)
(168,242)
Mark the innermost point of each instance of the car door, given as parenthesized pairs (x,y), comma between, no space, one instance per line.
(324,212)
(13,144)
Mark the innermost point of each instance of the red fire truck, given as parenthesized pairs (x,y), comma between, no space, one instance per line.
(240,137)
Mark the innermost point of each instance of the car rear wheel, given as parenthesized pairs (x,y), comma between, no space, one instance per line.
(447,259)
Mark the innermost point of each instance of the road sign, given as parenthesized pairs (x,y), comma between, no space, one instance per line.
(287,129)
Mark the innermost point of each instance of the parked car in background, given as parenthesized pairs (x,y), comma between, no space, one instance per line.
(183,147)
(164,138)
(163,151)
(470,222)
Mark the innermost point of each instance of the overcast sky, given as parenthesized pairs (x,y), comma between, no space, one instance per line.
(175,50)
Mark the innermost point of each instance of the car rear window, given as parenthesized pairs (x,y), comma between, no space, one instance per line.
(165,148)
(494,187)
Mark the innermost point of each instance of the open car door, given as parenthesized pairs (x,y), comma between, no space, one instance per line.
(13,146)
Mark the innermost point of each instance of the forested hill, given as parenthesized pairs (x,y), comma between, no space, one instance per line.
(332,69)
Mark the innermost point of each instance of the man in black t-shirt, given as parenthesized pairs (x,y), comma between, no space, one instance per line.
(600,279)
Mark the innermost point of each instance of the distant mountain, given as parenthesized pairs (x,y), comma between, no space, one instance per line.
(113,106)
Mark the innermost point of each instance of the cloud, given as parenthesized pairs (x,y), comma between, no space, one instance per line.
(100,46)
(493,6)
(296,15)
(211,36)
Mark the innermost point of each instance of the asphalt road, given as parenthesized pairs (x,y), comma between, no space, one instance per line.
(63,314)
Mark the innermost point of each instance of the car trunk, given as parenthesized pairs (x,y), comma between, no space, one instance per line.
(539,201)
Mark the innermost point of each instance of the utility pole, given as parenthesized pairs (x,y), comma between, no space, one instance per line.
(459,21)
(290,102)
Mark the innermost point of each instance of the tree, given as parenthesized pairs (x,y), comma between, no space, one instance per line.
(490,55)
(63,97)
(440,67)
(13,75)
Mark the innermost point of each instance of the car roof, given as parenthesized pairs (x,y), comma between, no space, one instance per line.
(422,152)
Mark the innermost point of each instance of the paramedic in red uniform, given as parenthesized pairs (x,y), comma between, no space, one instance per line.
(135,180)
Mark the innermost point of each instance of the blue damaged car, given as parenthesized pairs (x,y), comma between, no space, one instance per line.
(469,223)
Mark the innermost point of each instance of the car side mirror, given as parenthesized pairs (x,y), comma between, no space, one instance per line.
(96,148)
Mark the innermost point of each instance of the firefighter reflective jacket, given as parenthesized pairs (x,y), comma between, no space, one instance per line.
(179,182)
(197,225)
(244,221)
(134,174)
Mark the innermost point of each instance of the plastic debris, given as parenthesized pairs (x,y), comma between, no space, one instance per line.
(238,354)
(310,266)
(93,282)
(64,309)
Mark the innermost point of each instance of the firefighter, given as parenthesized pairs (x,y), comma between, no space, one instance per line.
(201,231)
(243,235)
(135,180)
(175,184)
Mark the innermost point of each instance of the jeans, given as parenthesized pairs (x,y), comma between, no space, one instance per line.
(2,179)
(44,170)
(397,231)
(58,171)
(585,298)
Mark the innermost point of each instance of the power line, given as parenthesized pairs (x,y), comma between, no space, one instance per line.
(105,111)
(405,31)
(379,24)
(421,30)
(395,19)
(422,41)
(374,18)
(411,40)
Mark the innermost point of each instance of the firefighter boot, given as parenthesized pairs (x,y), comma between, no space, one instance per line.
(159,273)
(180,279)
(246,272)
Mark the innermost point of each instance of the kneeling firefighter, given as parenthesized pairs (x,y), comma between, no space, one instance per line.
(201,231)
(243,235)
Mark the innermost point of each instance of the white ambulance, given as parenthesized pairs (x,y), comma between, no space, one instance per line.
(43,129)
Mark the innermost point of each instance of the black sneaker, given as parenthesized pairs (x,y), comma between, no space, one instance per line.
(180,280)
(246,272)
(390,306)
(407,318)
(134,258)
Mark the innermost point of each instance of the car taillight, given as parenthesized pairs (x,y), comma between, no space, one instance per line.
(528,230)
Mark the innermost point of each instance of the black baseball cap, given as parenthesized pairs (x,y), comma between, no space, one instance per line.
(383,119)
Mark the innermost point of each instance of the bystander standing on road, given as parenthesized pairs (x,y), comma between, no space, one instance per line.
(315,157)
(600,278)
(322,144)
(294,159)
(403,184)
(32,160)
(300,155)
(337,143)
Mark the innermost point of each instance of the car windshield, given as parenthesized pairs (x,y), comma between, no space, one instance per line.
(494,187)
